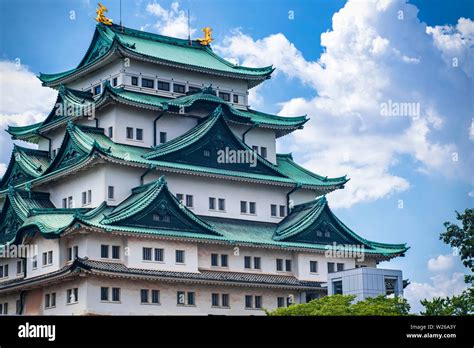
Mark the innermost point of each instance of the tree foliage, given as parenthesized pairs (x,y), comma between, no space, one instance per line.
(456,305)
(344,305)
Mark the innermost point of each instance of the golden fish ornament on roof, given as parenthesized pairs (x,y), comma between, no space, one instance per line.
(101,16)
(207,37)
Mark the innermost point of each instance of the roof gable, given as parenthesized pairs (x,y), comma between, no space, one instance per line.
(213,144)
(153,206)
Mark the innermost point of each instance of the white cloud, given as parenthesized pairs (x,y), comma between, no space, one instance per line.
(440,285)
(23,101)
(170,22)
(441,263)
(370,58)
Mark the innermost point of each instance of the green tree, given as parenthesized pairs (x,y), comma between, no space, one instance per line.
(344,305)
(462,238)
(462,304)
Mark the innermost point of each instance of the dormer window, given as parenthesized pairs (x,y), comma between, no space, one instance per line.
(225,96)
(177,88)
(163,86)
(148,83)
(97,89)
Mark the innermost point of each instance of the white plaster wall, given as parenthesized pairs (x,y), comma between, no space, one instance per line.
(135,255)
(303,271)
(11,262)
(44,245)
(107,72)
(11,299)
(258,137)
(130,298)
(62,307)
(73,185)
(202,188)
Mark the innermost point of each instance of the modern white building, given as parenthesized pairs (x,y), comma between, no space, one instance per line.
(156,189)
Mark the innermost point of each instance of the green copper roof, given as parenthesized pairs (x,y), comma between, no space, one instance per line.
(16,210)
(159,48)
(147,200)
(26,133)
(25,164)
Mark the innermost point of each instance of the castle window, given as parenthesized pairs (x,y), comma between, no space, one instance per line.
(280,302)
(115,294)
(50,300)
(34,262)
(257,263)
(224,260)
(327,234)
(247,262)
(263,152)
(279,265)
(4,308)
(236,98)
(192,89)
(144,295)
(258,301)
(97,89)
(104,294)
(4,271)
(273,210)
(177,88)
(129,133)
(115,251)
(180,197)
(189,201)
(139,134)
(243,207)
(104,251)
(134,81)
(253,208)
(215,300)
(212,203)
(179,256)
(288,265)
(215,260)
(255,148)
(159,254)
(148,83)
(183,298)
(225,96)
(146,254)
(162,137)
(72,295)
(221,204)
(110,192)
(207,153)
(340,267)
(163,86)
(330,267)
(114,81)
(111,132)
(313,266)
(282,210)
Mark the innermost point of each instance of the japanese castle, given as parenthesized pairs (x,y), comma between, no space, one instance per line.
(154,189)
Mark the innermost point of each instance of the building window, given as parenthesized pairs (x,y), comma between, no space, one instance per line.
(192,89)
(263,152)
(34,262)
(146,254)
(257,262)
(340,267)
(115,251)
(207,153)
(129,133)
(313,266)
(89,196)
(139,134)
(97,90)
(189,201)
(19,266)
(69,254)
(221,204)
(144,295)
(185,298)
(4,308)
(273,210)
(215,300)
(177,88)
(214,259)
(180,197)
(70,202)
(114,82)
(104,294)
(110,192)
(4,271)
(225,96)
(84,198)
(225,300)
(288,265)
(236,98)
(280,302)
(224,260)
(179,256)
(104,251)
(48,258)
(155,296)
(212,203)
(330,267)
(279,265)
(282,211)
(72,295)
(248,301)
(134,81)
(252,208)
(247,262)
(110,132)
(163,86)
(255,148)
(115,294)
(50,300)
(243,207)
(162,137)
(258,301)
(148,83)
(159,254)
(64,202)
(337,287)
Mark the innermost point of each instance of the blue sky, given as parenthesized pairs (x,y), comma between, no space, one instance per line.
(47,37)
